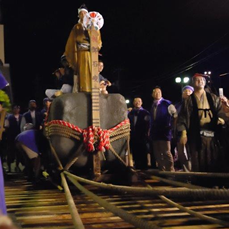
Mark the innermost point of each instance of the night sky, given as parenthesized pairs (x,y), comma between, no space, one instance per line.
(145,44)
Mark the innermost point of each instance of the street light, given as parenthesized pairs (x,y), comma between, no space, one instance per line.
(178,80)
(207,73)
(182,81)
(186,79)
(127,101)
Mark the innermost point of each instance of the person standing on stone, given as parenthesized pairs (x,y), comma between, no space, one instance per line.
(104,82)
(77,51)
(162,113)
(64,76)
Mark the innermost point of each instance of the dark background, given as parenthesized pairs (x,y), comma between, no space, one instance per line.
(145,44)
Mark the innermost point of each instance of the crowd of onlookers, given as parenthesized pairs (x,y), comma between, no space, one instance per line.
(20,140)
(21,144)
(191,135)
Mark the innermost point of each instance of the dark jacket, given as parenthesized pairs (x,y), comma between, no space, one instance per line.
(139,131)
(14,126)
(38,118)
(162,124)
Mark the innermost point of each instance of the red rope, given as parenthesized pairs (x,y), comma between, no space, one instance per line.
(90,133)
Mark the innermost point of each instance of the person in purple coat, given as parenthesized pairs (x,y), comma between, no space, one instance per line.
(162,112)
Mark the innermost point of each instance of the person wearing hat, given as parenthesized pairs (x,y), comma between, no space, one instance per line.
(197,123)
(77,51)
(181,150)
(64,77)
(187,90)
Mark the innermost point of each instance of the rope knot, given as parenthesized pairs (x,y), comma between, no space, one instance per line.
(92,135)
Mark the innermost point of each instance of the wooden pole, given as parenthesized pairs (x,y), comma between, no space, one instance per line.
(95,93)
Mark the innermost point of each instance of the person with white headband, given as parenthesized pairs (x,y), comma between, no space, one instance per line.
(77,51)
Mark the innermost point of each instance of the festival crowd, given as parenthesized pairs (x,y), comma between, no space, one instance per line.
(191,135)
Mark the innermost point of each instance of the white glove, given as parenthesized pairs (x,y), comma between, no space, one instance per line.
(172,110)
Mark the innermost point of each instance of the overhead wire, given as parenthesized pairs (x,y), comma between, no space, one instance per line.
(179,70)
(202,51)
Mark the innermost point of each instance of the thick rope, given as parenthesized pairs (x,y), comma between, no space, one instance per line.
(177,183)
(73,210)
(125,215)
(78,224)
(74,158)
(186,209)
(196,214)
(91,135)
(206,193)
(120,159)
(132,219)
(62,131)
(188,174)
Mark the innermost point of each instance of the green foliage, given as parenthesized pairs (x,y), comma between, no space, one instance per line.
(6,101)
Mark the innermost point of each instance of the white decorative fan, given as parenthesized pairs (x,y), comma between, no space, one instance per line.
(94,18)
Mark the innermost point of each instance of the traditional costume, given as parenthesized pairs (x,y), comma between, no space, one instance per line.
(198,119)
(77,52)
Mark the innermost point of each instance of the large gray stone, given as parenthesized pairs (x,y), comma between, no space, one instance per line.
(76,109)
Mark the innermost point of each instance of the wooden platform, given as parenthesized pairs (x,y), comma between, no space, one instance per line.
(46,207)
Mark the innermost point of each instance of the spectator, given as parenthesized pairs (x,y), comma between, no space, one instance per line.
(162,112)
(182,151)
(198,124)
(32,119)
(13,129)
(46,104)
(139,135)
